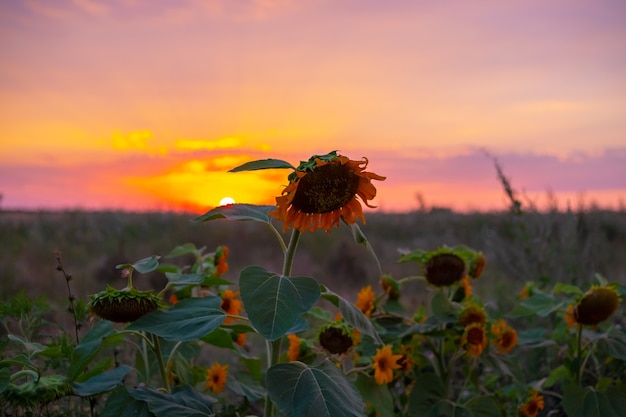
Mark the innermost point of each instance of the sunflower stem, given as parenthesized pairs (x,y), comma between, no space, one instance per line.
(159,355)
(279,237)
(276,344)
(579,350)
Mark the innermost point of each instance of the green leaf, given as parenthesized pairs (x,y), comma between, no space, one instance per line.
(102,382)
(263,164)
(360,238)
(142,266)
(534,338)
(378,395)
(596,404)
(426,393)
(275,303)
(185,249)
(237,212)
(89,347)
(220,338)
(190,319)
(352,315)
(182,402)
(484,406)
(572,402)
(121,404)
(567,289)
(184,279)
(442,307)
(614,343)
(616,395)
(318,391)
(542,304)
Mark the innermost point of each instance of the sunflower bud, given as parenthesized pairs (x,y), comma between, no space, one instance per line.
(444,269)
(597,305)
(391,287)
(123,306)
(478,265)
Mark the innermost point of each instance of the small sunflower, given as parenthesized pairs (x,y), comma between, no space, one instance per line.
(391,287)
(477,265)
(324,189)
(597,305)
(221,256)
(216,377)
(532,407)
(123,306)
(569,316)
(467,286)
(474,339)
(230,304)
(472,313)
(506,336)
(365,300)
(384,364)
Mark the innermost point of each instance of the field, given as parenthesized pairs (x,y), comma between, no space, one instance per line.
(531,258)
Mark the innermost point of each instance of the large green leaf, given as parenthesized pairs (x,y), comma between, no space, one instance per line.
(484,406)
(378,395)
(425,395)
(275,303)
(539,304)
(102,382)
(89,347)
(614,343)
(190,319)
(121,404)
(237,212)
(596,404)
(182,402)
(319,391)
(352,315)
(263,164)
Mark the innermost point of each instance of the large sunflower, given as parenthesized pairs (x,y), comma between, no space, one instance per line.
(323,190)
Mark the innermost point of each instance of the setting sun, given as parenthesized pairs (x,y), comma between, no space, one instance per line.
(227,200)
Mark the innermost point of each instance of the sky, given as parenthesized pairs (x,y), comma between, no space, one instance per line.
(146,104)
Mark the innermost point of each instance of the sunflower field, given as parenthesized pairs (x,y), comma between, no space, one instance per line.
(421,338)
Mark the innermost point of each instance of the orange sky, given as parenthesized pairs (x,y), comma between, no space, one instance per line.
(137,104)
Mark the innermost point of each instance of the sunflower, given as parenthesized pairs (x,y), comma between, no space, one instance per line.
(444,269)
(474,339)
(221,264)
(477,265)
(216,377)
(506,336)
(323,190)
(472,314)
(230,304)
(241,339)
(293,353)
(597,305)
(123,306)
(384,364)
(467,286)
(365,300)
(336,337)
(532,407)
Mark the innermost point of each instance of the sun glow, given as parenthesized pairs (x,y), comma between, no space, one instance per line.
(226,201)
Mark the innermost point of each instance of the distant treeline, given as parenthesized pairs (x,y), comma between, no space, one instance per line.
(529,246)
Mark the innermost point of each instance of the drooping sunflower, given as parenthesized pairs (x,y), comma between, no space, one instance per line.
(384,364)
(597,305)
(216,377)
(230,304)
(365,300)
(506,336)
(532,407)
(123,306)
(474,339)
(336,337)
(323,190)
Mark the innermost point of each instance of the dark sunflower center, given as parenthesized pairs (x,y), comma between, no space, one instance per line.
(475,336)
(326,189)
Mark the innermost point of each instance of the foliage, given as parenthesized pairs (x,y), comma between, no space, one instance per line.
(209,347)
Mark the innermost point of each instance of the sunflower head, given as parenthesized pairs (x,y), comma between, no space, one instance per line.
(532,407)
(474,339)
(221,260)
(506,336)
(216,377)
(597,305)
(324,189)
(477,265)
(123,306)
(336,338)
(472,313)
(366,300)
(230,304)
(444,269)
(384,364)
